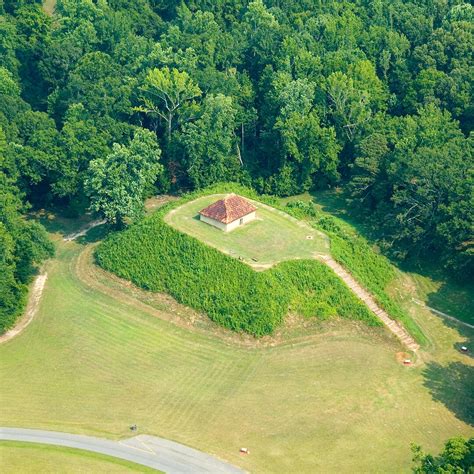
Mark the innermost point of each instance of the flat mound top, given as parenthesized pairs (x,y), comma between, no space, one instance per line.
(272,237)
(229,209)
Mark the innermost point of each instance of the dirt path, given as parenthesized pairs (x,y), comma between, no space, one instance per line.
(84,230)
(444,315)
(31,308)
(363,295)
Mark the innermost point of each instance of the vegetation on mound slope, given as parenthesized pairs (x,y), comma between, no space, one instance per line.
(324,389)
(371,269)
(157,257)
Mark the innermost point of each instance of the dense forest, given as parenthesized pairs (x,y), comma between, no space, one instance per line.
(105,102)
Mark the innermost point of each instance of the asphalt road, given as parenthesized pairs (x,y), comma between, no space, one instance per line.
(150,451)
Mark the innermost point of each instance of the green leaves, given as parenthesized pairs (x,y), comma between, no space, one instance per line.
(117,183)
(210,143)
(23,246)
(457,457)
(165,92)
(417,174)
(157,257)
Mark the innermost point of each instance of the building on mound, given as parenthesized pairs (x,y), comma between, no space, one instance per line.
(228,213)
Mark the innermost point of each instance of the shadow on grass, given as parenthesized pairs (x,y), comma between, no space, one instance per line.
(452,296)
(95,234)
(454,299)
(56,223)
(467,335)
(452,385)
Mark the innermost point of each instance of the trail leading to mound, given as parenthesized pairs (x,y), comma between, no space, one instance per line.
(363,295)
(84,230)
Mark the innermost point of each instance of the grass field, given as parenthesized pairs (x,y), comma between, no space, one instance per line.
(32,458)
(271,238)
(317,397)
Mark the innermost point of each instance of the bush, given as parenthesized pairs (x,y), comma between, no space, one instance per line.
(157,257)
(372,270)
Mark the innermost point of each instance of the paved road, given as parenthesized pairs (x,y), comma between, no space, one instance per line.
(150,451)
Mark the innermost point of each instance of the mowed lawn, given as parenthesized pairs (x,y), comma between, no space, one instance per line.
(32,458)
(272,237)
(96,359)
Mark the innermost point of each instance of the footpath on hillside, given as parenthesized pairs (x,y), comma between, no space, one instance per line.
(363,295)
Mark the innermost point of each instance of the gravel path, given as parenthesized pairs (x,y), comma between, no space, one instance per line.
(362,294)
(150,451)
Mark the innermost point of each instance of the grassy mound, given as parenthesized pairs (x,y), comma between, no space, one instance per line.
(271,238)
(372,270)
(157,257)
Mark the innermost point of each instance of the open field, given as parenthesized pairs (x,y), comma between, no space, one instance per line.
(326,397)
(273,237)
(25,458)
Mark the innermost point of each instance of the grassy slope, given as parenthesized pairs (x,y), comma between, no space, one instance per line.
(32,458)
(155,256)
(271,238)
(337,401)
(433,286)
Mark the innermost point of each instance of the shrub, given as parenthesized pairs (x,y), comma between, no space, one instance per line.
(372,270)
(157,257)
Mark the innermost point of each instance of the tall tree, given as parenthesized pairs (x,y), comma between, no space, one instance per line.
(457,457)
(165,92)
(118,182)
(210,143)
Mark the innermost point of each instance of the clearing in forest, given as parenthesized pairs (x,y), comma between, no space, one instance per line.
(272,237)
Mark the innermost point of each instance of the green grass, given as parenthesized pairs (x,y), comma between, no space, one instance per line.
(435,286)
(444,294)
(364,262)
(323,397)
(157,257)
(17,457)
(273,237)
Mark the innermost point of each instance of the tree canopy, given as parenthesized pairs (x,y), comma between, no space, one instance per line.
(374,97)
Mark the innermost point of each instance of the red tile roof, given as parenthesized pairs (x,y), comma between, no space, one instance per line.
(229,209)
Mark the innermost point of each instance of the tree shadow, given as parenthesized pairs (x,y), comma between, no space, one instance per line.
(452,385)
(453,296)
(95,234)
(454,299)
(55,222)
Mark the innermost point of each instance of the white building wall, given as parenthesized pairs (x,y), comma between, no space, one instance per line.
(231,225)
(213,222)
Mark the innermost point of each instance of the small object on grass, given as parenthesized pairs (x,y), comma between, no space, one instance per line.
(407,361)
(464,349)
(133,428)
(309,237)
(244,451)
(255,259)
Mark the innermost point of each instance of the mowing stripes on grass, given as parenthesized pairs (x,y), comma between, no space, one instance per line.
(335,401)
